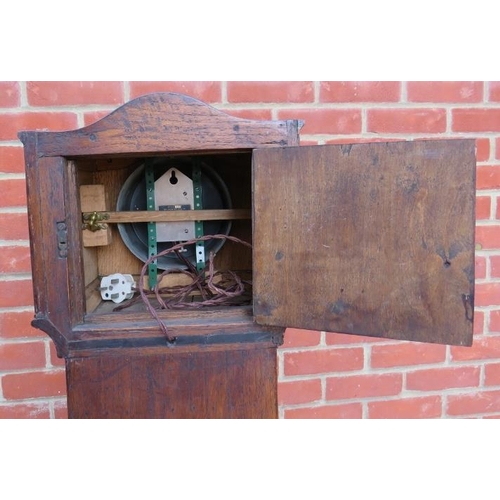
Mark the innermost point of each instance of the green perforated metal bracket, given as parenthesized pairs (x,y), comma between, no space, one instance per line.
(152,243)
(198,225)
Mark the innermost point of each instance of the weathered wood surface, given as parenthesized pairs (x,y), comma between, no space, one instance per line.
(220,325)
(118,365)
(153,124)
(54,243)
(238,383)
(371,239)
(166,122)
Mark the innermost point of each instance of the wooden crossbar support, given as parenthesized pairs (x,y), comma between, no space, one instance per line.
(174,215)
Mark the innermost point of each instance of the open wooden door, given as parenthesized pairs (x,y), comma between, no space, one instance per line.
(372,239)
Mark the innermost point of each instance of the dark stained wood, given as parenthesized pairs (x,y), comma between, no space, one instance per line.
(138,324)
(153,124)
(50,267)
(74,264)
(371,239)
(35,223)
(221,365)
(57,278)
(167,122)
(238,383)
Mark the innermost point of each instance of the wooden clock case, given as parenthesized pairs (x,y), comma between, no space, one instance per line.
(374,239)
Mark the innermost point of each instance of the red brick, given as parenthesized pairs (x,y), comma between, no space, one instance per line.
(14,227)
(438,379)
(250,114)
(18,325)
(323,361)
(343,338)
(495,321)
(487,294)
(15,260)
(72,93)
(495,266)
(352,410)
(480,267)
(488,177)
(9,94)
(478,322)
(61,410)
(482,149)
(21,356)
(13,193)
(299,392)
(479,326)
(204,91)
(34,385)
(494,92)
(488,237)
(402,121)
(477,402)
(12,123)
(94,116)
(360,91)
(427,407)
(11,159)
(295,337)
(486,347)
(270,91)
(483,207)
(405,354)
(492,374)
(361,140)
(16,293)
(455,92)
(364,386)
(475,120)
(325,121)
(24,411)
(497,215)
(497,148)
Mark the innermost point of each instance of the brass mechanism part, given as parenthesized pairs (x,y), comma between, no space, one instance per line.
(93,221)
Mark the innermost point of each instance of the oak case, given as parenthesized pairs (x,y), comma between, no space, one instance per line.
(374,239)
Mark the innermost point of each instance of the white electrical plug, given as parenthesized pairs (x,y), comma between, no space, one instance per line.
(117,287)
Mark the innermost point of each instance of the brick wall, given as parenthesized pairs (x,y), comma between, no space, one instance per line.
(320,374)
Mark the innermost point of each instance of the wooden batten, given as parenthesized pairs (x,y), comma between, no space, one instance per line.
(93,199)
(177,215)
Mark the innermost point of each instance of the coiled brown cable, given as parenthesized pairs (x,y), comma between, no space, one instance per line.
(228,289)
